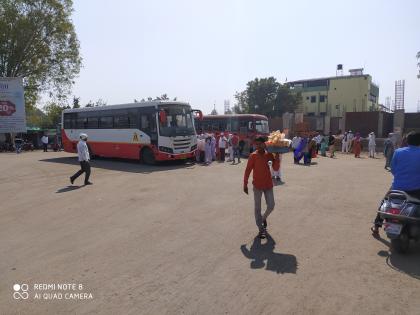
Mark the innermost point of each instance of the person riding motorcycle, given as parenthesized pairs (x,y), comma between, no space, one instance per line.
(405,167)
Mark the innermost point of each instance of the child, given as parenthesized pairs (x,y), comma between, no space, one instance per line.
(276,167)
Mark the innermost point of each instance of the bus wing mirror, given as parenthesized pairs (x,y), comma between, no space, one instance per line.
(162,117)
(198,113)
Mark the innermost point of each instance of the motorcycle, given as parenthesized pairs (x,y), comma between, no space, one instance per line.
(27,146)
(401,215)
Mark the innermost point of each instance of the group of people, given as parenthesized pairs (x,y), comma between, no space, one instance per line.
(211,147)
(307,145)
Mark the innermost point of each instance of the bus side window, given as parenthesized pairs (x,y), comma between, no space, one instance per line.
(235,125)
(144,122)
(243,126)
(106,122)
(121,122)
(148,123)
(92,123)
(81,123)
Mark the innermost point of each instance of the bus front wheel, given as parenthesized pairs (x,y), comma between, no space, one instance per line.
(147,156)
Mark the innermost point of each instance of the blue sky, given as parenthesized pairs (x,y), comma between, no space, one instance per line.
(204,51)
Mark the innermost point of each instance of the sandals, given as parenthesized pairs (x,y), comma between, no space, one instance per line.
(375,231)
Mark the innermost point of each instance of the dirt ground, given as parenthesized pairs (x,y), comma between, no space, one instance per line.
(180,239)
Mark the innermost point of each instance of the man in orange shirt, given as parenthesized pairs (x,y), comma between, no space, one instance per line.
(262,182)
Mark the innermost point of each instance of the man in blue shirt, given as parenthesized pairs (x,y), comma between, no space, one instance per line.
(405,167)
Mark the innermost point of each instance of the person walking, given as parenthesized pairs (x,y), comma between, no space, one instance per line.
(208,155)
(230,147)
(350,137)
(318,140)
(235,145)
(276,175)
(372,145)
(300,150)
(357,145)
(324,146)
(262,183)
(213,147)
(18,144)
(344,146)
(84,158)
(331,144)
(295,142)
(44,141)
(388,151)
(222,146)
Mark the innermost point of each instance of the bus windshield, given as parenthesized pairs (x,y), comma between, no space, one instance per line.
(179,121)
(261,126)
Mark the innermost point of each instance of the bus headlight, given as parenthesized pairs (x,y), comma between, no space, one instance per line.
(166,150)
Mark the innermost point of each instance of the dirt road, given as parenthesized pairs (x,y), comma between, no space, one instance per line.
(179,239)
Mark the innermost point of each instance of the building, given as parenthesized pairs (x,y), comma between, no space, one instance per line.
(334,96)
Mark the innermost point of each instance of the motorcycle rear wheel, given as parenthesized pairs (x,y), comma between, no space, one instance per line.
(401,244)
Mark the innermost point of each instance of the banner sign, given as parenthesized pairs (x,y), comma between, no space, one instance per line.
(12,106)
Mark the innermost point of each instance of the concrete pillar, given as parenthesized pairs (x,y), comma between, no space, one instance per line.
(327,120)
(288,124)
(342,124)
(298,118)
(380,125)
(399,115)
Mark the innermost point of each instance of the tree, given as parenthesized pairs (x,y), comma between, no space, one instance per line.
(214,111)
(241,103)
(99,102)
(163,97)
(76,102)
(38,43)
(53,115)
(267,97)
(35,117)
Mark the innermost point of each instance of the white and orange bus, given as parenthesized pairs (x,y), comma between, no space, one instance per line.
(148,131)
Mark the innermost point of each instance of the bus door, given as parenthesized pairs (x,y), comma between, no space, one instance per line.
(148,123)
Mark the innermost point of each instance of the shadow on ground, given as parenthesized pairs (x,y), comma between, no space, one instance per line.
(125,165)
(67,189)
(405,263)
(262,255)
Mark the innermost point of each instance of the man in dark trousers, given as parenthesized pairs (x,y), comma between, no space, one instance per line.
(405,167)
(83,153)
(262,182)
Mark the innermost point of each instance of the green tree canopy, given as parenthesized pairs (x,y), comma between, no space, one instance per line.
(38,43)
(267,97)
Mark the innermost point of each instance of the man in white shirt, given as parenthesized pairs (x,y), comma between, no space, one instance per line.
(350,137)
(372,145)
(318,140)
(344,147)
(222,146)
(44,141)
(83,155)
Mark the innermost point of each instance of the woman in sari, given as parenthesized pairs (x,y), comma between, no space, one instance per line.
(299,152)
(324,145)
(357,145)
